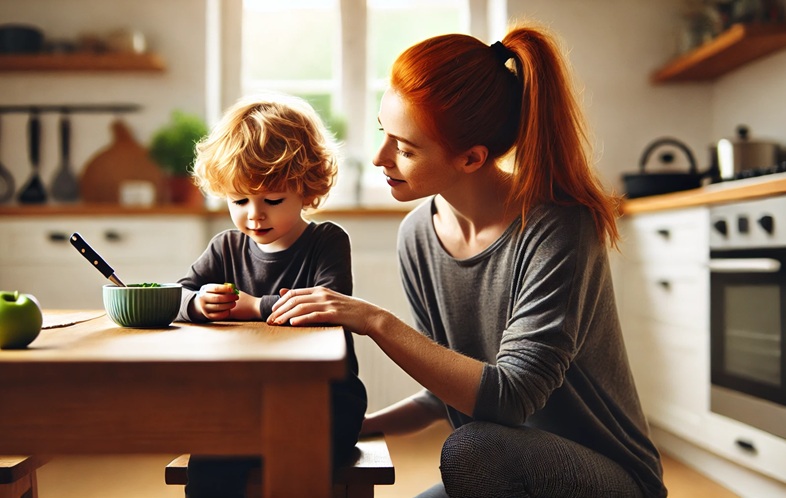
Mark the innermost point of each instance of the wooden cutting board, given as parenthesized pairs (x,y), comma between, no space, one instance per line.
(124,159)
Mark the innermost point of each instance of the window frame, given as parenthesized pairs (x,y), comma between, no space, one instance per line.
(357,185)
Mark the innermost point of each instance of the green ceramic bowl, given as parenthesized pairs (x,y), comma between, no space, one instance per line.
(142,306)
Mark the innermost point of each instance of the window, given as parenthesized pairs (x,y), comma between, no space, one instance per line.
(336,54)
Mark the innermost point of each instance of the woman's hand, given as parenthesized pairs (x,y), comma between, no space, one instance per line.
(322,305)
(451,376)
(216,301)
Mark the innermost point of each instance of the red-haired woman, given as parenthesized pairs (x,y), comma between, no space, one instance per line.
(517,339)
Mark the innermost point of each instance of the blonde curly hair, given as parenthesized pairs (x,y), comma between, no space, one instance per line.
(270,142)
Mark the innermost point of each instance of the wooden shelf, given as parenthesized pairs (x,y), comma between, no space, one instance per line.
(84,62)
(738,45)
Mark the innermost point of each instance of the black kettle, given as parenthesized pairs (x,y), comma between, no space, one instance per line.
(645,183)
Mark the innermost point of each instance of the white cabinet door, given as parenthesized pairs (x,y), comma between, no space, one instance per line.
(36,256)
(663,291)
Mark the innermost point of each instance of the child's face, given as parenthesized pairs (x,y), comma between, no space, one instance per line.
(272,219)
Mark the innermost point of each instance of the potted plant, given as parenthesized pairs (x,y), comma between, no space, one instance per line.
(172,148)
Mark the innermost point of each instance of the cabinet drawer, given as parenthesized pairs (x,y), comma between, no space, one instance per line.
(675,294)
(118,240)
(769,454)
(673,236)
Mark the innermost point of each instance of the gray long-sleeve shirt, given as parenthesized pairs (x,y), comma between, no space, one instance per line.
(320,256)
(538,307)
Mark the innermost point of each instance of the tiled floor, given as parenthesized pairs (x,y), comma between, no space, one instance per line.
(416,458)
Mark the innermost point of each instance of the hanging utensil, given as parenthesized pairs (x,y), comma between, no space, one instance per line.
(34,192)
(97,261)
(6,184)
(65,187)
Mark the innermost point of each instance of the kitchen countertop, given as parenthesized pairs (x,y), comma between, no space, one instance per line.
(738,190)
(717,193)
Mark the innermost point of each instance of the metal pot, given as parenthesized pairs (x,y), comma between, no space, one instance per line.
(644,183)
(735,156)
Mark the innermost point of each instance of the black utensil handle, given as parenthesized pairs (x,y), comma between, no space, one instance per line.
(90,255)
(34,138)
(65,137)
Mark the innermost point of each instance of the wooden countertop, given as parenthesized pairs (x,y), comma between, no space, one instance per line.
(718,193)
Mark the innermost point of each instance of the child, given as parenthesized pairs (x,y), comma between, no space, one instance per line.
(271,158)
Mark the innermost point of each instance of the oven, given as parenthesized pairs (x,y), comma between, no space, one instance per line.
(748,313)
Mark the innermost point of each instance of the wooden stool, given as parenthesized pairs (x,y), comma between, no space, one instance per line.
(17,476)
(356,479)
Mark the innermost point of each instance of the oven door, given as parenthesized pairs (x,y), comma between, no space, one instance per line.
(747,320)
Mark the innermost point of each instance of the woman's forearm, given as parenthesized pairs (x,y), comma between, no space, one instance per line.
(404,417)
(452,377)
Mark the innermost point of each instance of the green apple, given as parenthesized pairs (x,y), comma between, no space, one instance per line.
(20,319)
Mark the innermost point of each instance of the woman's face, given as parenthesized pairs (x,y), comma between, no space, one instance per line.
(415,165)
(272,219)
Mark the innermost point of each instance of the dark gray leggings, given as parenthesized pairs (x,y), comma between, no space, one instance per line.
(485,460)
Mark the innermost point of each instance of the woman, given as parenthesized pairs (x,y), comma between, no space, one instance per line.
(517,339)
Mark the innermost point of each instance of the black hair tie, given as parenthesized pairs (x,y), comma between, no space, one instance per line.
(501,52)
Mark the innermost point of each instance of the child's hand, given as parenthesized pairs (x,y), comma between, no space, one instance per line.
(216,301)
(247,307)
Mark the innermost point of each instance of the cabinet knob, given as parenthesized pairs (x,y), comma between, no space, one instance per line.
(112,236)
(721,227)
(767,223)
(746,445)
(57,237)
(664,233)
(743,226)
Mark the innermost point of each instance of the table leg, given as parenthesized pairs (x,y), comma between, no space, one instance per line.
(296,440)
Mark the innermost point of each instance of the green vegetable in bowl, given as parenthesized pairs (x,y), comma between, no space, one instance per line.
(146,284)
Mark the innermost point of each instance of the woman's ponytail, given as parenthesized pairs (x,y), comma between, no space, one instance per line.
(552,153)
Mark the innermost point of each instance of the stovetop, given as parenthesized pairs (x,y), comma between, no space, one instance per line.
(753,172)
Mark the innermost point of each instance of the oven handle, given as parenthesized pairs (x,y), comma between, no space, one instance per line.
(745,265)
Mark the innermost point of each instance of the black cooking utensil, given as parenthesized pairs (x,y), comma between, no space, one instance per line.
(645,183)
(97,261)
(34,191)
(65,187)
(6,184)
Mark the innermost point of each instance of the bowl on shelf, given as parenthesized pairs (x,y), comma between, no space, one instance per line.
(142,305)
(20,39)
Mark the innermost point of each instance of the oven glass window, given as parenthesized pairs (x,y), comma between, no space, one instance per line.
(753,333)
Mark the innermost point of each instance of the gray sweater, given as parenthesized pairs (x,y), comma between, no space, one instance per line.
(538,307)
(320,256)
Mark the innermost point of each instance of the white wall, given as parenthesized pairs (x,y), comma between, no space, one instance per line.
(613,47)
(754,95)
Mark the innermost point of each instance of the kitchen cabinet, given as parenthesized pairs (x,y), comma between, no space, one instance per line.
(664,301)
(738,45)
(661,277)
(79,61)
(36,256)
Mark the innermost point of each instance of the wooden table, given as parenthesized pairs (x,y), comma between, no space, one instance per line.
(234,388)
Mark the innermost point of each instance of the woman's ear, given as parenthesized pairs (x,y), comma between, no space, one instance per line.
(475,157)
